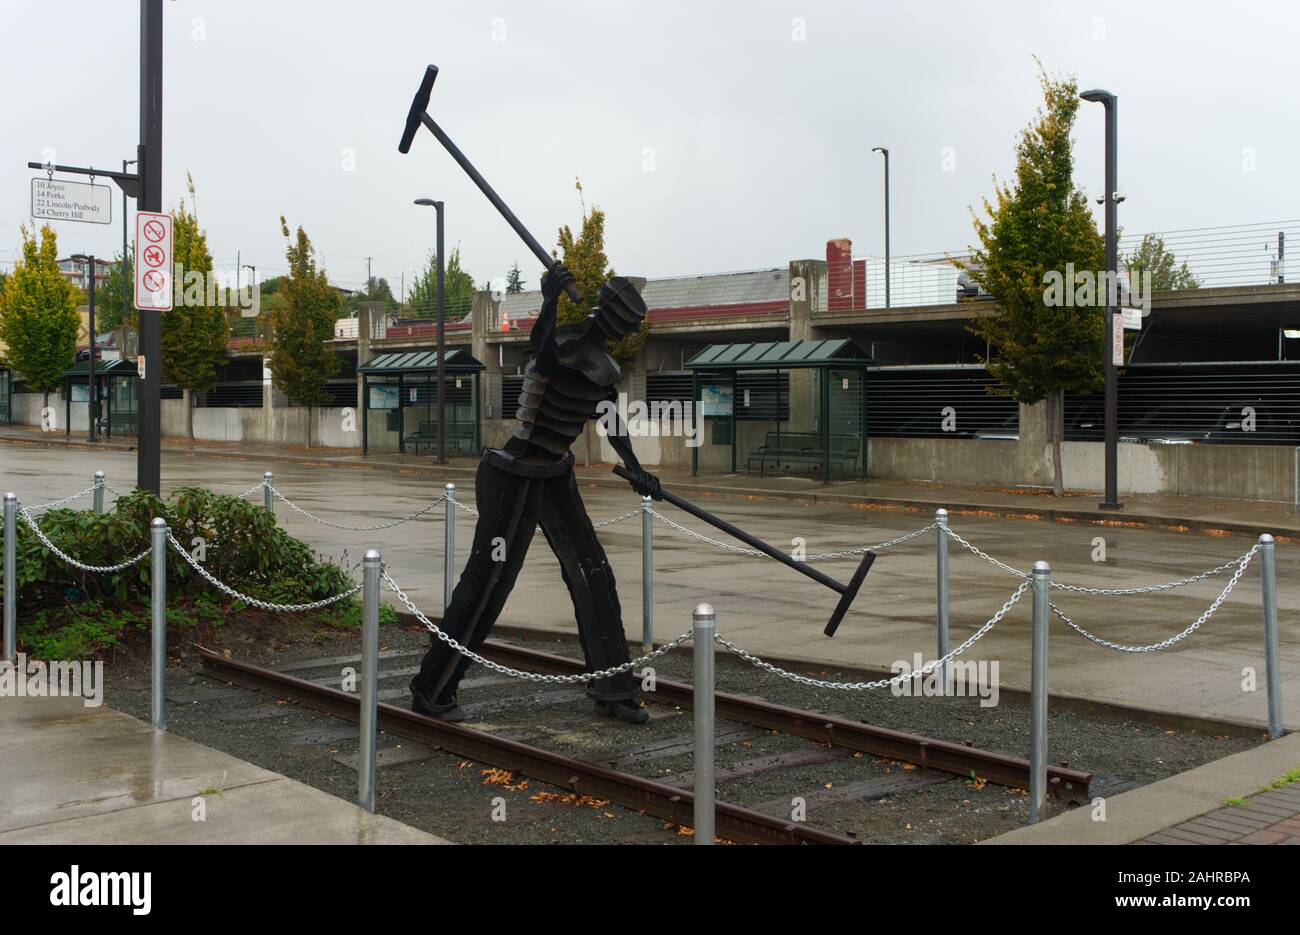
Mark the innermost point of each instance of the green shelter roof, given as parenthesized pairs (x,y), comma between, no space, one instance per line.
(771,355)
(395,362)
(117,368)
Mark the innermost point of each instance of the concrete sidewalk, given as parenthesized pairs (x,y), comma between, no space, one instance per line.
(1190,808)
(1244,517)
(76,775)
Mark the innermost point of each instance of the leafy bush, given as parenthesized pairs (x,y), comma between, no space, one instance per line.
(68,613)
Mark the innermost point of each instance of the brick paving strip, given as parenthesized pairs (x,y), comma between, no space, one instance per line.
(1271,817)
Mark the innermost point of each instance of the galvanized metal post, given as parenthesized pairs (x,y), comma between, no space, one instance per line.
(448,545)
(704,622)
(99,492)
(268,497)
(11,577)
(1042,577)
(647,576)
(371,567)
(941,574)
(158,587)
(1272,670)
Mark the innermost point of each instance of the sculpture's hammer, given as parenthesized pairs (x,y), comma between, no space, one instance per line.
(419,115)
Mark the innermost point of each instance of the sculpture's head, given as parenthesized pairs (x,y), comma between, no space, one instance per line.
(619,309)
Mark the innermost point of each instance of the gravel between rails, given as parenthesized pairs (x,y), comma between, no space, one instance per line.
(875,800)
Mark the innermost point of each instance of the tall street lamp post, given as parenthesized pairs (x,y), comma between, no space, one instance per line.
(1114,330)
(442,348)
(888,272)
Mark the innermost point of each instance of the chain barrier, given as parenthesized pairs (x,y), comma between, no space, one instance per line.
(253,601)
(1112,592)
(95,569)
(922,672)
(820,556)
(1163,644)
(57,503)
(325,522)
(580,678)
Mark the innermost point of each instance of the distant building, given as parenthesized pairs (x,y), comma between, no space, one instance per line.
(75,272)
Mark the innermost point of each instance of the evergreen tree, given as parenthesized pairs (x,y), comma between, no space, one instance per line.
(457,285)
(39,324)
(514,281)
(1037,226)
(300,324)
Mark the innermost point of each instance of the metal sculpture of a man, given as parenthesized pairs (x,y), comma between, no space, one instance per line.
(529,482)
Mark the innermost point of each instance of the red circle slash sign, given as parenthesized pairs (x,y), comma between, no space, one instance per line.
(154,280)
(154,256)
(155,231)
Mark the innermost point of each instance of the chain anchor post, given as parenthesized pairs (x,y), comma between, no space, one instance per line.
(11,577)
(941,575)
(704,622)
(1042,583)
(158,628)
(372,568)
(99,491)
(448,544)
(647,576)
(268,495)
(1272,669)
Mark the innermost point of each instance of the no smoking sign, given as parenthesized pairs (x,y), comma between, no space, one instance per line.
(153,267)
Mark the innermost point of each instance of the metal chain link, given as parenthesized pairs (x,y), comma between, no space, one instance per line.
(466,507)
(580,678)
(325,522)
(253,601)
(75,496)
(96,569)
(1163,644)
(820,556)
(256,487)
(1083,589)
(922,672)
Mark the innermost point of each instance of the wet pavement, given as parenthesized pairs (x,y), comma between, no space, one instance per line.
(1217,672)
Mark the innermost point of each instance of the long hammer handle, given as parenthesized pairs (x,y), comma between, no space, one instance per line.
(529,240)
(743,536)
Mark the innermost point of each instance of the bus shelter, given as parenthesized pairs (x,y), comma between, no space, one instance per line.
(399,392)
(117,392)
(782,407)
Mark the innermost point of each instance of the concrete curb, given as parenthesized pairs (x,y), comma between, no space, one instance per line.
(1131,816)
(957,508)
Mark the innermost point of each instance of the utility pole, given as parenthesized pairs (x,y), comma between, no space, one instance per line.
(1111,103)
(369,278)
(149,453)
(126,287)
(888,272)
(442,345)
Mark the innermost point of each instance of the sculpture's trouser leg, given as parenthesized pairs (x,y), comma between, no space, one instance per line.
(590,581)
(509,506)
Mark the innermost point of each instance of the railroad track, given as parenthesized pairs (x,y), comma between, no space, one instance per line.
(616,774)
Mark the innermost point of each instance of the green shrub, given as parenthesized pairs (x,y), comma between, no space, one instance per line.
(68,613)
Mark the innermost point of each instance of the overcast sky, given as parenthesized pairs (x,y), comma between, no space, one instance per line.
(717,136)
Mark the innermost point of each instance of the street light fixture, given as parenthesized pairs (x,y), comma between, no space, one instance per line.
(92,409)
(441,457)
(888,272)
(1112,197)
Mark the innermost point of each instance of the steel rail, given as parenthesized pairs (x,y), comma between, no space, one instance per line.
(1062,782)
(582,778)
